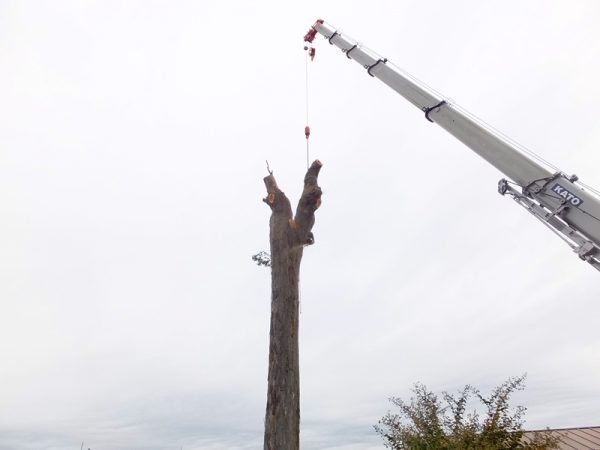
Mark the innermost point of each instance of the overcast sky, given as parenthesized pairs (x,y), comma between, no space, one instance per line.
(133,140)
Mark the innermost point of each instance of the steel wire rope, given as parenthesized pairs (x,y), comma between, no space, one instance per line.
(485,125)
(497,133)
(306,95)
(494,131)
(588,187)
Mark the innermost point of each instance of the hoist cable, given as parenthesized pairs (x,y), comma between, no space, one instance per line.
(589,188)
(307,129)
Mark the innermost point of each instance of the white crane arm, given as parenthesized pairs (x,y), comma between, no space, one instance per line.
(552,197)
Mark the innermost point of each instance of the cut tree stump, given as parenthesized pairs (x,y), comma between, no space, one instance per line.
(288,237)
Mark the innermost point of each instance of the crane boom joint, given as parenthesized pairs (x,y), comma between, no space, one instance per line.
(428,110)
(347,52)
(384,60)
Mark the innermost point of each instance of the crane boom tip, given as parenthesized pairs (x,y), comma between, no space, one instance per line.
(312,31)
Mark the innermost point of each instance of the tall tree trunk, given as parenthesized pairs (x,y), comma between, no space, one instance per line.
(288,236)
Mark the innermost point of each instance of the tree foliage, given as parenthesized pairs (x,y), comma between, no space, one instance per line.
(466,420)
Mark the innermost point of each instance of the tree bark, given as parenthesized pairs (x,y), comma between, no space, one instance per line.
(288,236)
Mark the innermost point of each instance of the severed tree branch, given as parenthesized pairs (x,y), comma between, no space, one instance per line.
(275,198)
(307,205)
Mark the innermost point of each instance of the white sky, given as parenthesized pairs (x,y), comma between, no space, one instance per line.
(133,139)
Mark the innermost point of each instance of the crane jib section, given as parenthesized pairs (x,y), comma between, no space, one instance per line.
(552,197)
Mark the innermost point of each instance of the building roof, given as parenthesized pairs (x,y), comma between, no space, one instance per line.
(585,438)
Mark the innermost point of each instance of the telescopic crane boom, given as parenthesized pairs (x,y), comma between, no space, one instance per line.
(554,198)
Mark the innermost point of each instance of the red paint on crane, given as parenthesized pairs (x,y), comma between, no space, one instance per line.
(312,32)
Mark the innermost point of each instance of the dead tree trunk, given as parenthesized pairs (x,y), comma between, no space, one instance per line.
(288,236)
